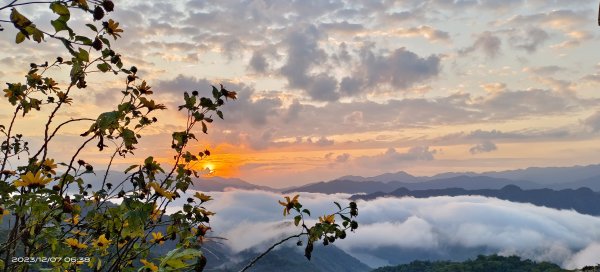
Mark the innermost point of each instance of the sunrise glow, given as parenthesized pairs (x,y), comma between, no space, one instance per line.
(502,86)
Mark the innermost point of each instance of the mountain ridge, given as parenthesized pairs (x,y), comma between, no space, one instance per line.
(355,187)
(582,200)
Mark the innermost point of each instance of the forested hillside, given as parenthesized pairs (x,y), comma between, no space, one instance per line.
(492,263)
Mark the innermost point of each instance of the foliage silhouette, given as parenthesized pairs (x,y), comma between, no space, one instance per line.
(482,263)
(56,220)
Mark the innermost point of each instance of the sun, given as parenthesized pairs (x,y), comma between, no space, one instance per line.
(210,167)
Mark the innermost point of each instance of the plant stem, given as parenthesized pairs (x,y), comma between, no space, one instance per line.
(253,262)
(12,122)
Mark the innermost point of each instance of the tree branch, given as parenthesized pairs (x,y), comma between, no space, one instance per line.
(56,130)
(12,122)
(9,5)
(253,262)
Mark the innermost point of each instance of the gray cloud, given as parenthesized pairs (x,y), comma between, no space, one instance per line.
(535,101)
(303,53)
(351,86)
(545,70)
(401,68)
(492,134)
(258,63)
(181,84)
(336,118)
(256,112)
(458,4)
(442,226)
(593,121)
(484,147)
(574,39)
(414,153)
(342,56)
(355,117)
(499,4)
(486,42)
(488,137)
(253,112)
(343,27)
(293,41)
(392,158)
(554,18)
(530,39)
(425,31)
(323,141)
(592,78)
(323,88)
(342,158)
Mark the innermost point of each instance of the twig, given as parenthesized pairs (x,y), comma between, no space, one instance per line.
(12,122)
(253,262)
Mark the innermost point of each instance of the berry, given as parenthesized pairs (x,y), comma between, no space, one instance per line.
(98,13)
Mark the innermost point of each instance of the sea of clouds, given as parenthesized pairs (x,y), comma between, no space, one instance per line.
(438,226)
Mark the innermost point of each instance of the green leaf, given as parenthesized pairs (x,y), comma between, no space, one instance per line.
(182,186)
(59,25)
(338,205)
(20,37)
(104,67)
(297,220)
(83,39)
(92,27)
(216,94)
(83,55)
(306,212)
(76,69)
(130,168)
(104,40)
(220,114)
(68,45)
(204,127)
(138,215)
(198,116)
(176,257)
(19,20)
(129,138)
(59,9)
(37,35)
(108,120)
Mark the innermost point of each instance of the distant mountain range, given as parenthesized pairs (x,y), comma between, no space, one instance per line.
(209,184)
(398,176)
(368,187)
(530,178)
(218,184)
(582,200)
(541,175)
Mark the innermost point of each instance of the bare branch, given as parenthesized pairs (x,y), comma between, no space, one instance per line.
(253,262)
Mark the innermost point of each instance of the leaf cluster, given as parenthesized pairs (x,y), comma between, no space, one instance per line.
(52,208)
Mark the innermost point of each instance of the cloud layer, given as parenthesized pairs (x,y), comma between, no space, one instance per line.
(439,225)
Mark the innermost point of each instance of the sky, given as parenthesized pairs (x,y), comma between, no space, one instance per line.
(339,87)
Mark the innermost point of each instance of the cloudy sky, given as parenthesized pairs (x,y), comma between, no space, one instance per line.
(336,87)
